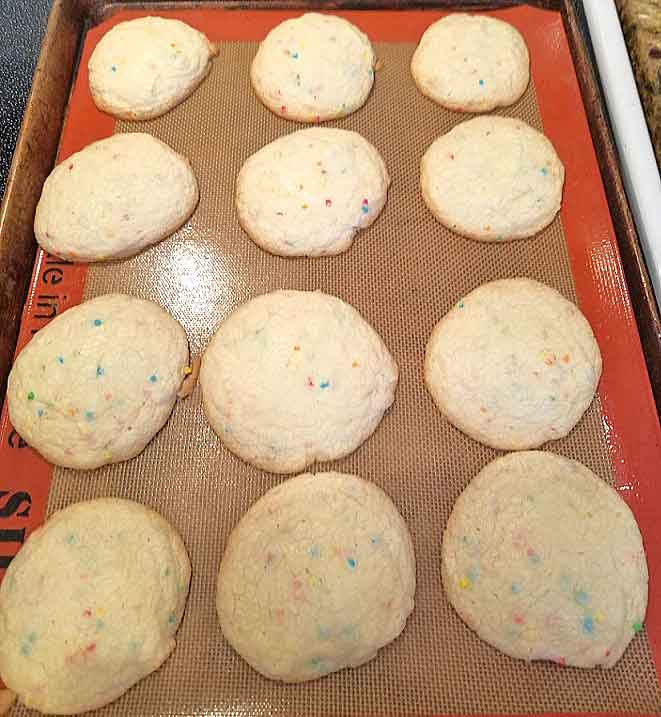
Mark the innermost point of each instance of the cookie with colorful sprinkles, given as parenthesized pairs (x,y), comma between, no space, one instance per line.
(492,179)
(314,68)
(317,576)
(310,192)
(97,383)
(115,198)
(294,377)
(513,364)
(471,63)
(545,561)
(142,68)
(90,605)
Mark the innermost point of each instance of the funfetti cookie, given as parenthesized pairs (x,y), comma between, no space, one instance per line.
(545,561)
(115,198)
(314,68)
(294,377)
(317,576)
(471,63)
(90,605)
(310,192)
(97,383)
(142,68)
(513,364)
(493,179)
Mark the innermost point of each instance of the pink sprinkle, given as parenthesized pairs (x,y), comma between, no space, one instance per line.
(365,202)
(280,616)
(561,661)
(607,653)
(317,118)
(91,647)
(309,383)
(70,167)
(328,202)
(87,613)
(518,619)
(283,108)
(108,396)
(530,552)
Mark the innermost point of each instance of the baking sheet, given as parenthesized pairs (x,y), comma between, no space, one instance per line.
(403,274)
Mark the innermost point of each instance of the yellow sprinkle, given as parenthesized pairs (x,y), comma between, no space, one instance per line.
(305,206)
(530,633)
(598,616)
(187,370)
(99,611)
(355,364)
(107,456)
(464,583)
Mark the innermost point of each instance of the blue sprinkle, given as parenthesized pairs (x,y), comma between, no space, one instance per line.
(172,619)
(581,597)
(324,384)
(40,412)
(99,371)
(97,322)
(544,171)
(516,588)
(60,359)
(153,378)
(295,55)
(472,575)
(99,625)
(364,209)
(323,633)
(227,429)
(588,625)
(113,68)
(375,540)
(25,648)
(314,552)
(534,558)
(351,562)
(89,416)
(481,83)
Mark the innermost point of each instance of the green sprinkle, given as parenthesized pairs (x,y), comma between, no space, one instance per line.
(71,538)
(166,572)
(60,359)
(461,304)
(153,378)
(172,619)
(31,396)
(637,626)
(99,625)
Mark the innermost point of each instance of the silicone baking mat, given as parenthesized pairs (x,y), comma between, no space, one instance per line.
(402,274)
